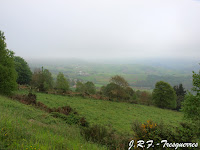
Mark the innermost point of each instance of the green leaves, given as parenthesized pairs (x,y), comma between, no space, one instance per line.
(42,80)
(191,104)
(8,74)
(87,87)
(164,95)
(62,83)
(23,70)
(196,82)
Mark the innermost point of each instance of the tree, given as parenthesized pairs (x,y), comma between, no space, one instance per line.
(118,89)
(47,79)
(180,93)
(80,87)
(164,95)
(119,81)
(42,80)
(87,87)
(180,90)
(62,83)
(90,87)
(191,104)
(8,74)
(115,92)
(196,82)
(145,98)
(23,70)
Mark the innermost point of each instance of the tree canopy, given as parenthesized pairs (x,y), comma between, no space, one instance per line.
(119,80)
(191,104)
(23,70)
(42,80)
(164,95)
(118,89)
(62,83)
(87,87)
(180,93)
(196,82)
(8,74)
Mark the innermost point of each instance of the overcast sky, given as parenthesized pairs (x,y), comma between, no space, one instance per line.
(101,28)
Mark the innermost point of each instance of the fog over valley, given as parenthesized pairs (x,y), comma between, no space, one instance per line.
(102,29)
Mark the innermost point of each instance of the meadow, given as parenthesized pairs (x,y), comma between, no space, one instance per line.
(118,115)
(25,127)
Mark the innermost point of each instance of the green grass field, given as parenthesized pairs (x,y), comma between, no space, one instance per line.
(116,114)
(25,127)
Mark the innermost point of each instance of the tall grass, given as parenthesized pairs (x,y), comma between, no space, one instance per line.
(25,127)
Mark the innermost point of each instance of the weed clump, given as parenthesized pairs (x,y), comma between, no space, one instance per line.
(66,110)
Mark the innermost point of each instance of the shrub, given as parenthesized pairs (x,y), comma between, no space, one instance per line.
(102,135)
(150,131)
(72,119)
(185,133)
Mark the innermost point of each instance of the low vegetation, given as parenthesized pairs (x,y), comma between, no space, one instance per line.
(103,112)
(26,127)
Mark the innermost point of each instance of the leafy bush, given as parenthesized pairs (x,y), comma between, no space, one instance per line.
(185,133)
(72,119)
(100,134)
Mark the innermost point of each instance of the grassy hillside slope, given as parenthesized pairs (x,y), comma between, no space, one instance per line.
(25,127)
(118,115)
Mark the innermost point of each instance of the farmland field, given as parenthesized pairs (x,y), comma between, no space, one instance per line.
(139,76)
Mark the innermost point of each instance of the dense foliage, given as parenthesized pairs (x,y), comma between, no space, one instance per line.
(184,133)
(191,105)
(8,74)
(23,70)
(180,93)
(118,89)
(120,81)
(61,83)
(87,87)
(42,80)
(164,95)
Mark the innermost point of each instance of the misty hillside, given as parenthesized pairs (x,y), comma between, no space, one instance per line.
(140,74)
